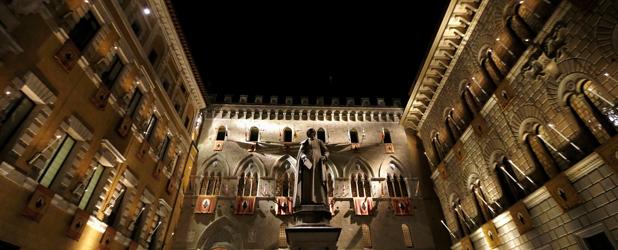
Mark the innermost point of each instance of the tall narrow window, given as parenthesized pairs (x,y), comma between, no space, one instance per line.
(154,234)
(462,224)
(55,163)
(361,187)
(248,184)
(92,184)
(330,185)
(207,183)
(134,103)
(437,147)
(84,31)
(322,134)
(221,133)
(150,128)
(353,136)
(139,222)
(512,190)
(387,136)
(254,183)
(389,186)
(480,202)
(541,155)
(111,74)
(254,134)
(241,185)
(285,185)
(115,206)
(353,186)
(287,135)
(13,116)
(397,186)
(367,186)
(603,105)
(164,146)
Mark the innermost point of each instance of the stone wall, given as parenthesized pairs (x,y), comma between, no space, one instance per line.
(261,230)
(547,112)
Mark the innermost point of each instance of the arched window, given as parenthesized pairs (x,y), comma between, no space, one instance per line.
(541,156)
(601,106)
(254,134)
(221,133)
(604,104)
(396,184)
(480,202)
(464,222)
(471,100)
(512,189)
(211,182)
(248,182)
(489,66)
(287,134)
(386,135)
(284,180)
(322,134)
(452,126)
(354,136)
(361,187)
(458,222)
(437,147)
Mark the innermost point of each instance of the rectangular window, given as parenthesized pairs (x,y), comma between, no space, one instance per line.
(13,116)
(92,184)
(84,31)
(135,100)
(598,241)
(55,163)
(109,77)
(165,145)
(152,125)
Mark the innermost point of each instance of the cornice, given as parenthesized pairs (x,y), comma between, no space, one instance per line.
(180,50)
(459,21)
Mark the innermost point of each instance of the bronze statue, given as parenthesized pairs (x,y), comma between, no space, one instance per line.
(312,171)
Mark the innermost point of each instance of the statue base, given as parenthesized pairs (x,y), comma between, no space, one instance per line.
(312,229)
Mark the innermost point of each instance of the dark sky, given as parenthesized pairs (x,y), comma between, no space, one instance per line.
(372,50)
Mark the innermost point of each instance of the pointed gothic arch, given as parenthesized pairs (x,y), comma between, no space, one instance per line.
(356,164)
(250,161)
(223,233)
(225,167)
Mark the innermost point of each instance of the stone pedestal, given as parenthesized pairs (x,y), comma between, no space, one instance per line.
(312,237)
(312,230)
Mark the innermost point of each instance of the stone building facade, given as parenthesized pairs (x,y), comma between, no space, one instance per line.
(241,188)
(516,108)
(97,119)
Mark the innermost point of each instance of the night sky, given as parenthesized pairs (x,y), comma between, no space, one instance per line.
(309,49)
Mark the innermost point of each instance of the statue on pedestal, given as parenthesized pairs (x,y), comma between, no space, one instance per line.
(312,171)
(311,209)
